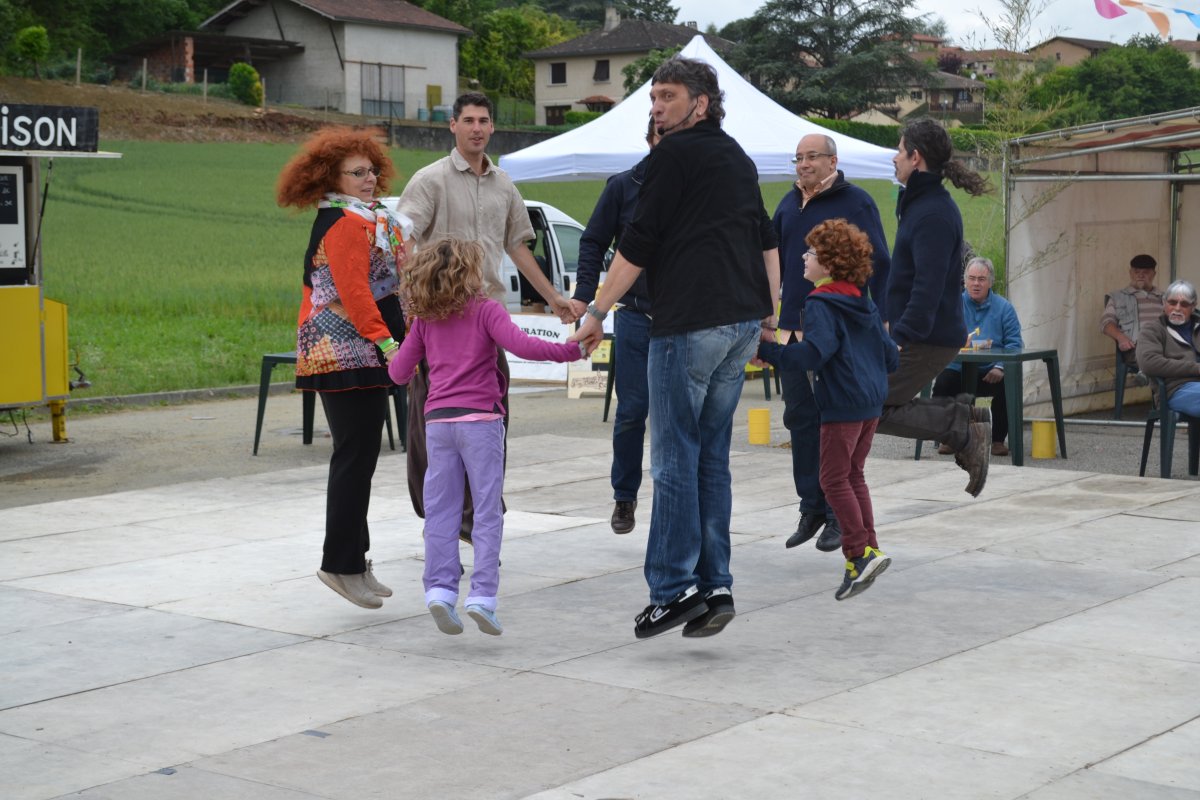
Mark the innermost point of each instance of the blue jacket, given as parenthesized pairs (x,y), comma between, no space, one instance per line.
(612,213)
(792,223)
(997,320)
(848,349)
(923,289)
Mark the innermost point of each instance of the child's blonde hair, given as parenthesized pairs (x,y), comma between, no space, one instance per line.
(442,278)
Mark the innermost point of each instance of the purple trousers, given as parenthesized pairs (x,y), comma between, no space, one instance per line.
(474,450)
(844,448)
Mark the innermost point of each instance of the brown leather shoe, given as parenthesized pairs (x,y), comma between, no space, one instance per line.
(999,449)
(945,450)
(623,518)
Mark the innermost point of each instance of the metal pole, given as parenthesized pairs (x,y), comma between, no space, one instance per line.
(144,68)
(1073,178)
(78,64)
(205,93)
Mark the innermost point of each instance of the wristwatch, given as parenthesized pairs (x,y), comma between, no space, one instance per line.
(597,313)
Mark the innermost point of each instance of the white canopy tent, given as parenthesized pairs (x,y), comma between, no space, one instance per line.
(1080,203)
(767,131)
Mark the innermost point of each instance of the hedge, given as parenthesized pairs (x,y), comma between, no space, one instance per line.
(967,140)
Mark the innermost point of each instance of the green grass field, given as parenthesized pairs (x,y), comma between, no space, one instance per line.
(180,271)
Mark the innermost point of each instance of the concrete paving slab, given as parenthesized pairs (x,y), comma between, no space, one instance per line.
(189,783)
(557,730)
(801,758)
(32,770)
(1120,626)
(1169,759)
(24,609)
(1105,542)
(72,657)
(1026,698)
(1088,784)
(177,717)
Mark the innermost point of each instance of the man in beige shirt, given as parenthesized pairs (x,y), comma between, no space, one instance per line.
(466,196)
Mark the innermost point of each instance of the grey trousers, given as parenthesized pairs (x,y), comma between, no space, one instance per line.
(940,419)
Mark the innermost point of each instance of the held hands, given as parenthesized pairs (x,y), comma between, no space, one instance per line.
(564,309)
(578,307)
(590,333)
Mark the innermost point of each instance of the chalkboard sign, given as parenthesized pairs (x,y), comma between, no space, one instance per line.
(9,198)
(56,128)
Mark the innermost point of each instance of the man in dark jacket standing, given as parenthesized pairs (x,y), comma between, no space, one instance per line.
(821,193)
(923,301)
(706,243)
(631,333)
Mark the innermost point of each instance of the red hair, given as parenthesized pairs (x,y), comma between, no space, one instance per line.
(315,170)
(842,249)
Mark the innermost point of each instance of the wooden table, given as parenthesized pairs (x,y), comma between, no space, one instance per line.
(1014,391)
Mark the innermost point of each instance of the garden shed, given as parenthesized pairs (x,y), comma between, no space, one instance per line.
(1080,202)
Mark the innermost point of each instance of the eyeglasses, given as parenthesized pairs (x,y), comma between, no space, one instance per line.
(1180,303)
(800,158)
(810,252)
(361,172)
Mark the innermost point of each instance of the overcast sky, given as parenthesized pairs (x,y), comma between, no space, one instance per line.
(1062,17)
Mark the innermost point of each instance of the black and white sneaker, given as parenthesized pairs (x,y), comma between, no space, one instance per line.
(683,607)
(720,613)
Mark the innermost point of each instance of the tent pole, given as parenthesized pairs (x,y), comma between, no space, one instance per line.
(1175,185)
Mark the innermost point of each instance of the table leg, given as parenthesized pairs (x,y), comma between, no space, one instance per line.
(1014,393)
(1056,399)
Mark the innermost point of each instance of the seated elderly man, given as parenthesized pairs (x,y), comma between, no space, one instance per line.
(1131,307)
(1169,347)
(992,323)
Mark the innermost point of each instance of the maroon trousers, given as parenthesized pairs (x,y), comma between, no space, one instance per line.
(844,448)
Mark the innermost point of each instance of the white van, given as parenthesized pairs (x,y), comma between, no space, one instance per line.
(555,247)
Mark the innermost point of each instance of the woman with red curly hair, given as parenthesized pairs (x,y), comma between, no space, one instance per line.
(850,354)
(349,329)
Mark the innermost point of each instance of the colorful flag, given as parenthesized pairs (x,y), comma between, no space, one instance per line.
(1109,10)
(1157,17)
(1191,15)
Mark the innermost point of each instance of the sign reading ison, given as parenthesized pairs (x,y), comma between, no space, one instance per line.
(55,128)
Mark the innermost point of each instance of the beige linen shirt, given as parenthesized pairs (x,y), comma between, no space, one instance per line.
(447,199)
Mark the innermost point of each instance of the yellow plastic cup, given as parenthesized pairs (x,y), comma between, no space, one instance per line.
(760,426)
(1043,439)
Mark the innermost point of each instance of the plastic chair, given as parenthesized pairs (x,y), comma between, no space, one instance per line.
(308,403)
(1120,371)
(1159,412)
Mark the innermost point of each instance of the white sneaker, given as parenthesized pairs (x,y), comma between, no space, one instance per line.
(446,617)
(351,587)
(373,584)
(485,619)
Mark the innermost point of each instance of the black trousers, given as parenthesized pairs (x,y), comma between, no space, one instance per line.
(418,457)
(356,418)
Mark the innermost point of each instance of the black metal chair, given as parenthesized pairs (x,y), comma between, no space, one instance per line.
(308,403)
(1160,413)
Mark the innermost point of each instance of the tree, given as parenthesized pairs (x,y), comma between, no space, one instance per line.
(495,55)
(245,85)
(653,10)
(33,46)
(829,57)
(932,25)
(950,61)
(639,71)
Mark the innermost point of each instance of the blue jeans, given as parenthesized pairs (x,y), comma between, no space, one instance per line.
(696,381)
(803,421)
(1186,399)
(632,343)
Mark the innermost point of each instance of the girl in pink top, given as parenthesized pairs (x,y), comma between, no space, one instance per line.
(456,329)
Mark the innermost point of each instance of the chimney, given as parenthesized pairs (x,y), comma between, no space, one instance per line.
(691,23)
(612,17)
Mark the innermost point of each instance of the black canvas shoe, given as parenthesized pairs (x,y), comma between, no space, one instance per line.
(861,573)
(830,538)
(719,614)
(622,516)
(810,522)
(683,607)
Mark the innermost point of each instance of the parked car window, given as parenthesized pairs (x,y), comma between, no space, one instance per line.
(568,242)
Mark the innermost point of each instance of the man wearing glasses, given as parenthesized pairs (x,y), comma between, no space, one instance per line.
(1169,348)
(821,193)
